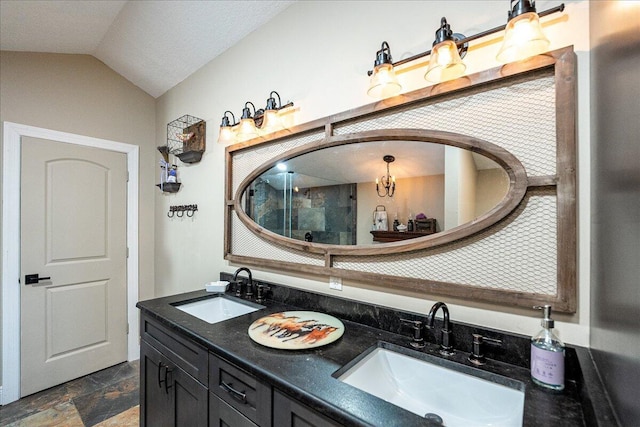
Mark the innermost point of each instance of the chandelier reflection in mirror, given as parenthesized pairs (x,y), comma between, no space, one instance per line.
(523,38)
(388,181)
(260,122)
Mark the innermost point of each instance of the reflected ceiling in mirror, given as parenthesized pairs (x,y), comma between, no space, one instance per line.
(328,196)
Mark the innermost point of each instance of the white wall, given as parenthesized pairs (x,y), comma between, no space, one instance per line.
(424,194)
(491,187)
(317,54)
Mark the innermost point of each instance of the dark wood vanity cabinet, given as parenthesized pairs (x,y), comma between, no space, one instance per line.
(182,384)
(171,394)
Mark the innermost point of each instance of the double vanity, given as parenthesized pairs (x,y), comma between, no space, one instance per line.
(200,367)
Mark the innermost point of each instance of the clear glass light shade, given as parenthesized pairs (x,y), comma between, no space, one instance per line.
(271,122)
(523,38)
(226,135)
(247,129)
(383,82)
(444,63)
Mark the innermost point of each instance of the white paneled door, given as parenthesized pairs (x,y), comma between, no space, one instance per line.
(73,262)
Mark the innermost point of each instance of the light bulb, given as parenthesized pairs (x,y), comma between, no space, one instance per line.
(445,63)
(523,38)
(247,129)
(384,82)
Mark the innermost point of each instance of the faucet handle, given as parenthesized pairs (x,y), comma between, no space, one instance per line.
(446,349)
(477,354)
(261,289)
(239,284)
(249,293)
(477,357)
(417,340)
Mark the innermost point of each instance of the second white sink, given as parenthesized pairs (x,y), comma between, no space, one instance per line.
(218,308)
(425,388)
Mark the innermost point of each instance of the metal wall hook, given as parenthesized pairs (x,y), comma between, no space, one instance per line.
(180,210)
(191,209)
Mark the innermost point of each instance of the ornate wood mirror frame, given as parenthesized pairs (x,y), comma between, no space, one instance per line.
(522,252)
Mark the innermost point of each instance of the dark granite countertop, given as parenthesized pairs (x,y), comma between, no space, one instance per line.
(306,375)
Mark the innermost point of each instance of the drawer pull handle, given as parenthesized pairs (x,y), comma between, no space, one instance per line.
(239,395)
(168,384)
(160,380)
(167,371)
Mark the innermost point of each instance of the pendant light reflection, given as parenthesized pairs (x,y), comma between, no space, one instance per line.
(445,62)
(388,181)
(384,82)
(523,35)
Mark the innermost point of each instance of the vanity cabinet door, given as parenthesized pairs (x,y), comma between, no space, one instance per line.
(154,401)
(290,413)
(169,395)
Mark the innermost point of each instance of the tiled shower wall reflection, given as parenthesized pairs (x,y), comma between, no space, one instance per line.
(324,214)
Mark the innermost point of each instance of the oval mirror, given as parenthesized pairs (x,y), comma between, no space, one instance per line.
(378,191)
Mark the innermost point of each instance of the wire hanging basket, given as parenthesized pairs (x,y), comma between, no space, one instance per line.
(186,138)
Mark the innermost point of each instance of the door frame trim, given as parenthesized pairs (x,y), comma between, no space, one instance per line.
(13,132)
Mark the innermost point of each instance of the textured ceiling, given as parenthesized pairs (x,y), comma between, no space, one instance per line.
(153,44)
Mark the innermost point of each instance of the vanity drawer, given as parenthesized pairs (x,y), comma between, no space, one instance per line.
(222,414)
(240,390)
(186,354)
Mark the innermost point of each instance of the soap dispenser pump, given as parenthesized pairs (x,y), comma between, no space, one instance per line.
(547,354)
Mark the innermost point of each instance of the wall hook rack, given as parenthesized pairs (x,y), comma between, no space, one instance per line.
(181,210)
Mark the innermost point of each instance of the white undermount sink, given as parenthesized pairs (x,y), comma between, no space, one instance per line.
(422,387)
(217,308)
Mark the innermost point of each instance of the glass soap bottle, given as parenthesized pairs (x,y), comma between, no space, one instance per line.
(410,223)
(547,354)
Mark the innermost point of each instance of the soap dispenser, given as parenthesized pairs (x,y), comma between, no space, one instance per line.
(547,354)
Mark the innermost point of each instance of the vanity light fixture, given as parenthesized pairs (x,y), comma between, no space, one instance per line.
(247,128)
(227,132)
(266,120)
(388,181)
(523,36)
(383,78)
(445,61)
(523,39)
(272,115)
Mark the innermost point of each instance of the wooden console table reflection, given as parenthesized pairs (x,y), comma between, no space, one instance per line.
(394,236)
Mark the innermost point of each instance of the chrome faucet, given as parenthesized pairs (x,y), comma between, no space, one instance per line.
(446,349)
(249,293)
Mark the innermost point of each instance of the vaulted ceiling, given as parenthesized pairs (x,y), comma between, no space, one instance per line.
(153,44)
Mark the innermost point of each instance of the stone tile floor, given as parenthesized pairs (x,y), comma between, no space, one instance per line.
(103,399)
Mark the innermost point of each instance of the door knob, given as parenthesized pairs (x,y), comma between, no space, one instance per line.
(31,279)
